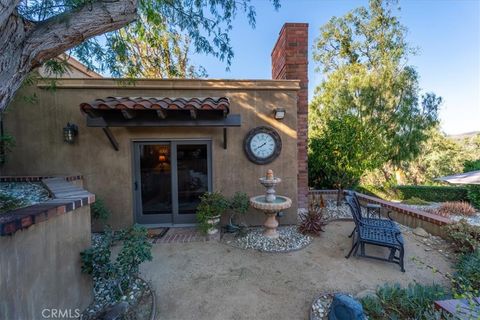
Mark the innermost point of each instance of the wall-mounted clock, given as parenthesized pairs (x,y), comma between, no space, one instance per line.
(262,145)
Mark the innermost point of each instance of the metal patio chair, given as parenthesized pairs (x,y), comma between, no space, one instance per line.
(376,222)
(375,235)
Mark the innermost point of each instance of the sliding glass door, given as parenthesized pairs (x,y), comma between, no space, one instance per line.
(169,179)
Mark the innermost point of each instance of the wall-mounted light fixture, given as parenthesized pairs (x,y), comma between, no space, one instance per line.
(70,132)
(279,113)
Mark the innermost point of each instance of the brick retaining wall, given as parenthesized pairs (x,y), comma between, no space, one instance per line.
(402,214)
(66,197)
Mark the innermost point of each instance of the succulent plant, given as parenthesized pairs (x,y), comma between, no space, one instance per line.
(313,222)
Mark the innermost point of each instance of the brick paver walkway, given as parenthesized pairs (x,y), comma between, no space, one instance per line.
(181,235)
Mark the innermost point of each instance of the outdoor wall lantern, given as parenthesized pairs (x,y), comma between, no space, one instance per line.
(69,133)
(279,113)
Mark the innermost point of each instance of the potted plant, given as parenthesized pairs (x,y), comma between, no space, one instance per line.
(212,206)
(239,204)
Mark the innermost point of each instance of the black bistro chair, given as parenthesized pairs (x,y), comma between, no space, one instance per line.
(377,222)
(375,235)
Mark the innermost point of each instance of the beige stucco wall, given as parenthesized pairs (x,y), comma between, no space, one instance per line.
(40,149)
(40,267)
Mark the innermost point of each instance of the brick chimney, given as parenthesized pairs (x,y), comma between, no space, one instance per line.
(290,61)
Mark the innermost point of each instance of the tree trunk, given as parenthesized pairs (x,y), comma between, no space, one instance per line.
(339,196)
(25,45)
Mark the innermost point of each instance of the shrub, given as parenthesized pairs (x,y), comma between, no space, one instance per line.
(9,203)
(239,202)
(467,275)
(464,237)
(395,302)
(99,210)
(117,275)
(432,193)
(416,201)
(473,195)
(462,208)
(212,204)
(471,165)
(378,191)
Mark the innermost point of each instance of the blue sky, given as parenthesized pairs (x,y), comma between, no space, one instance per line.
(447,33)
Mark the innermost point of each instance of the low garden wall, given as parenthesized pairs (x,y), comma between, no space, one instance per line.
(40,246)
(404,215)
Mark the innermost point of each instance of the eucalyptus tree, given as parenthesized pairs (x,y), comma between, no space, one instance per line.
(35,31)
(364,59)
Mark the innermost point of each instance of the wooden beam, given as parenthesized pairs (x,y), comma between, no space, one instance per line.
(128,114)
(161,114)
(193,114)
(93,113)
(232,120)
(111,138)
(225,138)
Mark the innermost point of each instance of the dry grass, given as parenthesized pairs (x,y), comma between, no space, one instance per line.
(448,208)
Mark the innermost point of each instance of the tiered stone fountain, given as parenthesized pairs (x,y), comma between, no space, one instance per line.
(270,204)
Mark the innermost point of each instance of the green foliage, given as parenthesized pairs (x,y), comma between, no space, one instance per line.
(471,165)
(239,202)
(117,275)
(395,302)
(473,195)
(467,275)
(340,151)
(7,142)
(440,155)
(163,33)
(432,193)
(464,237)
(378,191)
(368,110)
(99,210)
(416,201)
(135,250)
(144,50)
(9,203)
(212,204)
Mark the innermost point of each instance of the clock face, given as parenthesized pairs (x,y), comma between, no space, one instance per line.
(262,145)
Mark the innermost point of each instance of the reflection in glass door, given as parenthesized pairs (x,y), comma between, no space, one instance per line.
(169,179)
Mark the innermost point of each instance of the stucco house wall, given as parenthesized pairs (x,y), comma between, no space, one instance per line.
(40,150)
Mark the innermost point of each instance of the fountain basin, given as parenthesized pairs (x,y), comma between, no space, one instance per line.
(280,203)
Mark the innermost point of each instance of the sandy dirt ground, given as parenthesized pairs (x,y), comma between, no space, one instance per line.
(212,280)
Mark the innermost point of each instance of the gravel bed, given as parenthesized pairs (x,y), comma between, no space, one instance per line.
(473,220)
(332,211)
(321,306)
(26,193)
(289,240)
(103,298)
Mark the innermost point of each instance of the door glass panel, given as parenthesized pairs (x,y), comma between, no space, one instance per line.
(156,179)
(192,169)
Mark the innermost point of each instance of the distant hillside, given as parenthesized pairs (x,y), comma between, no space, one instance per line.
(463,136)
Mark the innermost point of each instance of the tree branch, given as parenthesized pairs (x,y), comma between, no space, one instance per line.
(60,33)
(7,7)
(25,45)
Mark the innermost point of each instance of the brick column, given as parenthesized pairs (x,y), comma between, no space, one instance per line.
(290,61)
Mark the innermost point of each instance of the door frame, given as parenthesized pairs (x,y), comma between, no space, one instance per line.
(176,219)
